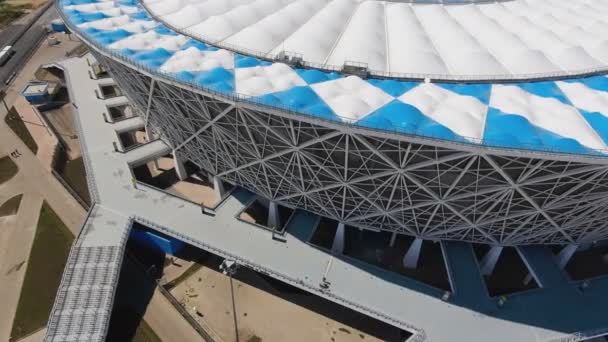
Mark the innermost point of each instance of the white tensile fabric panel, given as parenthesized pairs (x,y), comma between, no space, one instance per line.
(351,98)
(365,29)
(505,39)
(505,46)
(94,7)
(220,27)
(272,30)
(316,38)
(547,113)
(534,33)
(575,23)
(108,8)
(164,7)
(262,80)
(197,12)
(113,12)
(123,22)
(464,115)
(460,51)
(149,41)
(193,59)
(584,97)
(409,47)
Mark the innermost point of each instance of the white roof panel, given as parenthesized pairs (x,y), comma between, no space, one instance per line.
(504,39)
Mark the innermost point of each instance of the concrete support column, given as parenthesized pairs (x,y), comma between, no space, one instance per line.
(210,178)
(107,117)
(274,221)
(149,136)
(489,260)
(133,135)
(410,259)
(393,238)
(218,186)
(565,254)
(338,245)
(180,169)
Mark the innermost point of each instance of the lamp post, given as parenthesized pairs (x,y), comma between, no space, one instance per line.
(229,267)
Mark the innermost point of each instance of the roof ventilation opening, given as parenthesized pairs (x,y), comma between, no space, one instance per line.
(291,58)
(355,68)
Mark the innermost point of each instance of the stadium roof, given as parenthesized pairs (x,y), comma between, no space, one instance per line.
(499,39)
(566,115)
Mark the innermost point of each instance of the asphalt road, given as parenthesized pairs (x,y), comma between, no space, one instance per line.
(24,45)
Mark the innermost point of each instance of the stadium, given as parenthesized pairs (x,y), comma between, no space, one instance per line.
(472,135)
(460,121)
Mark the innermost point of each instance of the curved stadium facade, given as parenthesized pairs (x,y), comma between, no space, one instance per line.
(494,133)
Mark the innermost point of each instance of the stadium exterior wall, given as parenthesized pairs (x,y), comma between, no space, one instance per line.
(420,187)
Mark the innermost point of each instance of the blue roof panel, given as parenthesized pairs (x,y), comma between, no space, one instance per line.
(512,130)
(405,118)
(546,89)
(300,99)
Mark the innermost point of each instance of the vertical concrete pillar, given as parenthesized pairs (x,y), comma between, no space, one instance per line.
(133,135)
(180,169)
(210,178)
(489,260)
(218,186)
(149,136)
(565,254)
(338,245)
(107,118)
(410,259)
(393,238)
(274,221)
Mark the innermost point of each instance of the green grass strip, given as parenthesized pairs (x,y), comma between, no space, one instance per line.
(13,120)
(11,207)
(45,266)
(8,169)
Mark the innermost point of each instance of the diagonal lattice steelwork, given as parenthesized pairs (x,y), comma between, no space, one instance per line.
(377,180)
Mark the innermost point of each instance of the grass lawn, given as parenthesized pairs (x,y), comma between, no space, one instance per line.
(8,169)
(32,4)
(13,120)
(10,12)
(75,175)
(45,265)
(11,206)
(145,334)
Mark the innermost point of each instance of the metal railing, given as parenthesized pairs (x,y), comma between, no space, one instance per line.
(184,313)
(84,151)
(248,101)
(418,334)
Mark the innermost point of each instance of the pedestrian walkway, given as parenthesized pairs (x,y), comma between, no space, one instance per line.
(83,305)
(46,141)
(374,293)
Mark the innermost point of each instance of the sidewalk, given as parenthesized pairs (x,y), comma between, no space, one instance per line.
(16,237)
(46,141)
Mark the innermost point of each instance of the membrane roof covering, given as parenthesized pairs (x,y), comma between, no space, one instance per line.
(566,116)
(516,38)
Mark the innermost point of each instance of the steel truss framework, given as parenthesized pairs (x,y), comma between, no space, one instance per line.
(377,182)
